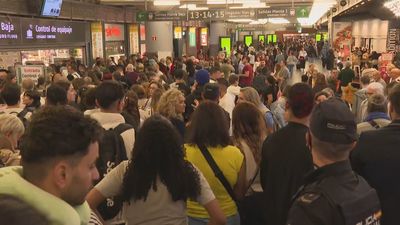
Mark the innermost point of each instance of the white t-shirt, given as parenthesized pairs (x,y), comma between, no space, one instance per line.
(159,208)
(302,53)
(252,59)
(15,111)
(112,120)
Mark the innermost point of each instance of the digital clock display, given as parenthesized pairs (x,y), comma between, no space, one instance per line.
(195,15)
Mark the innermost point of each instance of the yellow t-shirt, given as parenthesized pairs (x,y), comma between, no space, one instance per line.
(229,159)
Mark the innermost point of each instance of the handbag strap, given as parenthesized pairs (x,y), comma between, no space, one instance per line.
(217,171)
(253,179)
(374,124)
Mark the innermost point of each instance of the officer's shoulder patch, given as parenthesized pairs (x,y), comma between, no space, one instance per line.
(308,198)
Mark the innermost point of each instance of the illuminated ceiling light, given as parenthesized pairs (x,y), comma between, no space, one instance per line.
(259,21)
(278,21)
(270,20)
(188,6)
(241,20)
(394,6)
(166,2)
(318,9)
(255,23)
(223,2)
(191,7)
(251,5)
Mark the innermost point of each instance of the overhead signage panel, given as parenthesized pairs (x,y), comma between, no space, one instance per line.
(45,31)
(223,14)
(35,31)
(302,12)
(10,31)
(161,16)
(273,12)
(240,14)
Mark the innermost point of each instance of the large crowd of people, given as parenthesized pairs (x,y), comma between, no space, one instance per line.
(211,140)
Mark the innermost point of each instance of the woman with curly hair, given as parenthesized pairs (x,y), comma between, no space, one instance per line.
(172,105)
(158,180)
(249,133)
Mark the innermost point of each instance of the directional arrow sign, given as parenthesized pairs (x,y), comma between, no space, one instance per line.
(302,12)
(141,16)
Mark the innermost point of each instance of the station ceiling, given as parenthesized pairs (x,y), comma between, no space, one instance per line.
(148,4)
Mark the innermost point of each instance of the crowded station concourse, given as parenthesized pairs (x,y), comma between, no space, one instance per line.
(195,112)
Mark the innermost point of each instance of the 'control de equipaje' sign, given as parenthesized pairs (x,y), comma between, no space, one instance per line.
(40,30)
(30,31)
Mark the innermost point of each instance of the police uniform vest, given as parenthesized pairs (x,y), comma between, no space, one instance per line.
(351,201)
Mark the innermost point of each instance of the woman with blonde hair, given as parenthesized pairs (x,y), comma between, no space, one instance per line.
(249,94)
(172,106)
(11,130)
(249,133)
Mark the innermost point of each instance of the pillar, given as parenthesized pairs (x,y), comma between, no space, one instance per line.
(159,38)
(217,29)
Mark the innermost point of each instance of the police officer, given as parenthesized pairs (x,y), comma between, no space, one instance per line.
(333,193)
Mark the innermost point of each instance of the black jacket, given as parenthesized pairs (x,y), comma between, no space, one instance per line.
(335,195)
(190,101)
(286,160)
(376,157)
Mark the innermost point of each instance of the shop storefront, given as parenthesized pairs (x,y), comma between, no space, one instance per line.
(114,40)
(191,37)
(41,41)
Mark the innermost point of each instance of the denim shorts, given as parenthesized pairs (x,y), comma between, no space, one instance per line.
(230,220)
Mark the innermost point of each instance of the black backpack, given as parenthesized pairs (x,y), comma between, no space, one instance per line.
(22,116)
(111,153)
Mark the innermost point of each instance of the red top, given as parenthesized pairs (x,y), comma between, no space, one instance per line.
(247,81)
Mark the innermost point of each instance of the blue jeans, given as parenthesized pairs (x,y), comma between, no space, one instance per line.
(231,220)
(290,67)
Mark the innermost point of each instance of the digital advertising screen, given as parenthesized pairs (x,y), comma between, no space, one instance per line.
(274,38)
(51,7)
(225,43)
(269,38)
(318,37)
(261,38)
(248,40)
